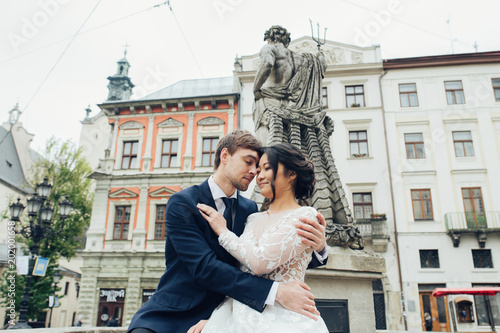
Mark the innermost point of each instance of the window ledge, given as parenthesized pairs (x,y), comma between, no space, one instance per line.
(484,270)
(424,221)
(431,270)
(361,158)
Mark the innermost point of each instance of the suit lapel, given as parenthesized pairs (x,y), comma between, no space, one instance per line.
(205,195)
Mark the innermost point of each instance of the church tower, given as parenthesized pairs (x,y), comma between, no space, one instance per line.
(120,86)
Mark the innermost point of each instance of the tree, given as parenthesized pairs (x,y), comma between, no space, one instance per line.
(67,169)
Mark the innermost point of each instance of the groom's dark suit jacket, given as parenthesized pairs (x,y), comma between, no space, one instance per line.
(199,271)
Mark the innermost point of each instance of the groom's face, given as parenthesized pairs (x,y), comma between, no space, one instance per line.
(241,167)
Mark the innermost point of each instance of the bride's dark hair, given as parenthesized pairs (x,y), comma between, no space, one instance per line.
(292,160)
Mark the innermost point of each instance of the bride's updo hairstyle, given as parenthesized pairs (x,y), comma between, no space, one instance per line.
(292,160)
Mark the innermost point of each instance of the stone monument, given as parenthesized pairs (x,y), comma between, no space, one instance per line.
(287,90)
(288,108)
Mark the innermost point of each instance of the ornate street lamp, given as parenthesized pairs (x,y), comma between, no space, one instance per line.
(44,188)
(57,277)
(16,210)
(40,215)
(34,205)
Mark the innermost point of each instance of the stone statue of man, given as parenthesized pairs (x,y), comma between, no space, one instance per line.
(288,108)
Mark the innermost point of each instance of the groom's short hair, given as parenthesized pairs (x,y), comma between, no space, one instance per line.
(235,140)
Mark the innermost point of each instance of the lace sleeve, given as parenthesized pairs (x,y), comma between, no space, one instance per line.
(277,246)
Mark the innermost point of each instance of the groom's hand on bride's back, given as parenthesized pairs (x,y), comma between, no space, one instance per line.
(297,296)
(312,231)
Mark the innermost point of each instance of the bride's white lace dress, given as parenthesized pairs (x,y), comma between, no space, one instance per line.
(269,247)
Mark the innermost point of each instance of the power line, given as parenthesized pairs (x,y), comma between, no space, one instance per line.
(416,27)
(60,57)
(185,39)
(82,32)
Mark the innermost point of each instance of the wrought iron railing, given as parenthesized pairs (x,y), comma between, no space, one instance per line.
(472,221)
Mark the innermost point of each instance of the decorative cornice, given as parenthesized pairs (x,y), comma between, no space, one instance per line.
(418,173)
(210,121)
(460,120)
(131,125)
(162,192)
(443,60)
(466,171)
(170,122)
(123,193)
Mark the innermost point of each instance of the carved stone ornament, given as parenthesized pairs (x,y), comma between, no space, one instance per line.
(356,57)
(305,47)
(335,56)
(131,125)
(344,236)
(170,122)
(210,121)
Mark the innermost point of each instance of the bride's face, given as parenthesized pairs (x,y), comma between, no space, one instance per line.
(265,177)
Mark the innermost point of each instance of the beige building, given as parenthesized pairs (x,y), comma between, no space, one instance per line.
(65,313)
(443,131)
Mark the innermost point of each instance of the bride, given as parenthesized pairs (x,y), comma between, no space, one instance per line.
(270,246)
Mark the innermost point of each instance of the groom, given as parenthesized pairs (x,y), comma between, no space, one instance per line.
(200,273)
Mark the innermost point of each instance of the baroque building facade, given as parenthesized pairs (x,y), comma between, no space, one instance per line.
(404,132)
(153,147)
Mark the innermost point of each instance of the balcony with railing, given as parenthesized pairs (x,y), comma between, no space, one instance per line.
(374,229)
(479,223)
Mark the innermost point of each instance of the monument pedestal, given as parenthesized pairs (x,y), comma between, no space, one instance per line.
(348,277)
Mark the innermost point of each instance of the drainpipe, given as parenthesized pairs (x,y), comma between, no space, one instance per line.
(396,235)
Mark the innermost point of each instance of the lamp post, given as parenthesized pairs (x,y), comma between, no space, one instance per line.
(40,215)
(57,278)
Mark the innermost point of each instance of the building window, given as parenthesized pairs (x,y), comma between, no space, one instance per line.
(474,208)
(129,159)
(414,143)
(355,96)
(169,153)
(422,204)
(483,308)
(325,97)
(160,222)
(66,288)
(454,92)
(496,88)
(463,144)
(122,220)
(379,305)
(408,95)
(362,203)
(208,152)
(358,143)
(482,258)
(429,259)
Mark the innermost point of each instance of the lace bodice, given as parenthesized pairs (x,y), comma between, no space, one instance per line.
(270,246)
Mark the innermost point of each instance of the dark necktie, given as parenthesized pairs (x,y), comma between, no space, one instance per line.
(228,212)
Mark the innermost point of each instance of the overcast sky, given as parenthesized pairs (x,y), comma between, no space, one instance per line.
(55,55)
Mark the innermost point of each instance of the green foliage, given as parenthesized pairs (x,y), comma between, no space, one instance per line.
(67,170)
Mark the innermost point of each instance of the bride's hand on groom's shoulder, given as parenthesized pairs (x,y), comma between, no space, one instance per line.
(216,221)
(312,231)
(198,327)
